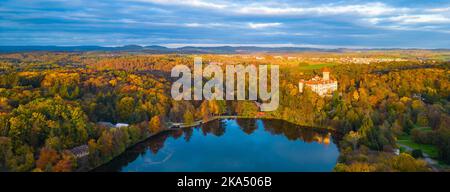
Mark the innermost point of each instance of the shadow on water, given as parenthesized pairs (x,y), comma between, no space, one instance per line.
(159,149)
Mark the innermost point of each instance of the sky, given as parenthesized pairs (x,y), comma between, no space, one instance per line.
(275,23)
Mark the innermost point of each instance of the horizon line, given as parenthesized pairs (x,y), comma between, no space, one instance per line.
(214,45)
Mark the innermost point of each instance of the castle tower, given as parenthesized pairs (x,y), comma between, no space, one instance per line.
(326,74)
(300,86)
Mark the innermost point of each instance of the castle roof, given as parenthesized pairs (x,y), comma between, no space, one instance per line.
(319,81)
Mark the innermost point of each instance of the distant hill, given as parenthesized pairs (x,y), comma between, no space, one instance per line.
(156,49)
(159,49)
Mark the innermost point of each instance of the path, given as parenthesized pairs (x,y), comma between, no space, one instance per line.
(433,163)
(173,125)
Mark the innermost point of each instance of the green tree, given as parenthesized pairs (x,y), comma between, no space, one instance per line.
(125,109)
(443,144)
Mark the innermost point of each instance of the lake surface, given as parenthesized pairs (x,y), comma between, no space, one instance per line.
(232,145)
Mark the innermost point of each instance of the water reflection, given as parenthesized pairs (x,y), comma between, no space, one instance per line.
(232,145)
(295,132)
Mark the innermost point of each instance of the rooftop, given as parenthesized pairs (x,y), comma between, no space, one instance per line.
(80,150)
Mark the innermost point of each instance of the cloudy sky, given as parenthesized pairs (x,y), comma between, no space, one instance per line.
(313,23)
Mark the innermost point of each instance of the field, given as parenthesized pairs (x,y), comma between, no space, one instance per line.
(315,66)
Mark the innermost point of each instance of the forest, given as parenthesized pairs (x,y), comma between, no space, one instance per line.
(51,102)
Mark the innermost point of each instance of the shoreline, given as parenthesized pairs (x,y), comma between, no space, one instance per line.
(197,123)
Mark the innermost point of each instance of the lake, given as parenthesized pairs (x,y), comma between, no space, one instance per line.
(232,145)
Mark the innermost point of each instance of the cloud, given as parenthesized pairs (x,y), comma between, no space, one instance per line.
(193,24)
(374,13)
(416,19)
(206,25)
(263,25)
(369,9)
(282,9)
(327,22)
(439,10)
(191,3)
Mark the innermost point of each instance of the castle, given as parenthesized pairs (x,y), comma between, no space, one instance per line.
(323,86)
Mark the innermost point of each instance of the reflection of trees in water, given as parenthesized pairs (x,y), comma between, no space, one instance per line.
(296,132)
(176,133)
(157,142)
(247,125)
(154,145)
(337,136)
(122,160)
(188,134)
(217,128)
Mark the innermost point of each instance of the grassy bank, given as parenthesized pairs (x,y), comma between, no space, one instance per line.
(428,149)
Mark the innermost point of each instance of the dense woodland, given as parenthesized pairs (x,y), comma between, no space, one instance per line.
(52,102)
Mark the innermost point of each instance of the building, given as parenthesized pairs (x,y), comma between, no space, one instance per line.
(80,151)
(119,125)
(110,125)
(278,57)
(322,86)
(397,152)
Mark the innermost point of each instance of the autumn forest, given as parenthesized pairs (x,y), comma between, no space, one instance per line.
(388,114)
